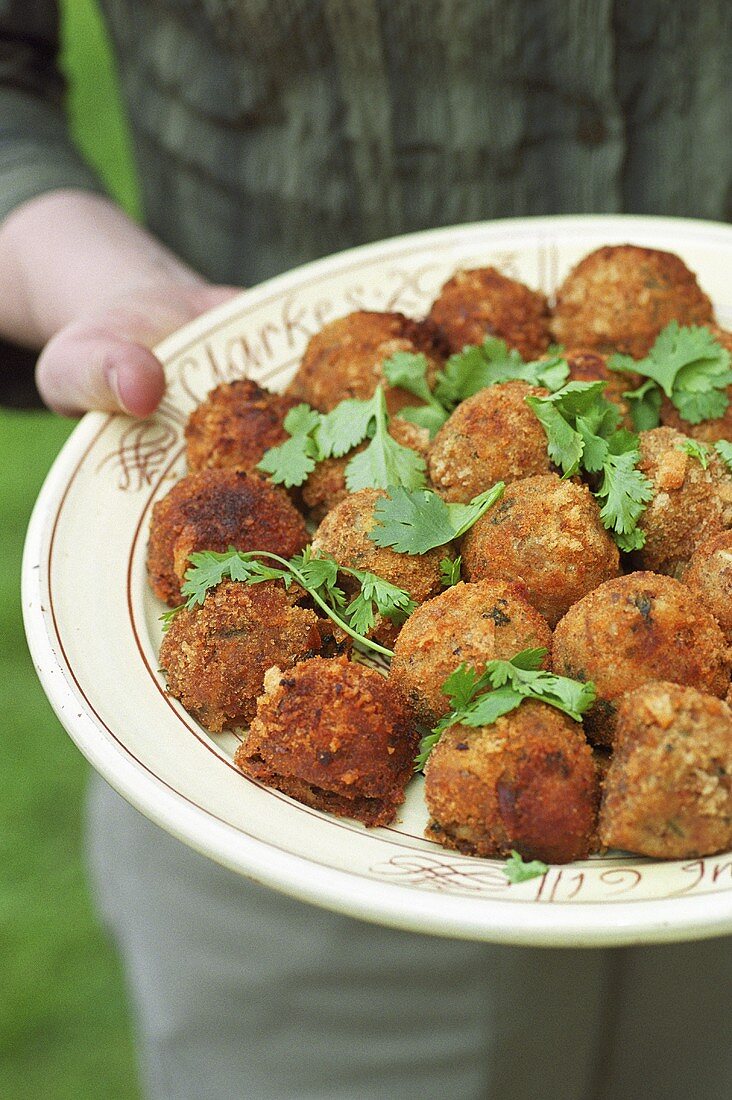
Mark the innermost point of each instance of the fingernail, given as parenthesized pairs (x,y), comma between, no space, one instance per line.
(113,383)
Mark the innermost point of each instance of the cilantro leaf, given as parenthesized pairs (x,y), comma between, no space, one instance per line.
(516,870)
(645,405)
(624,493)
(690,366)
(724,450)
(408,371)
(450,571)
(479,700)
(344,427)
(697,450)
(413,522)
(491,362)
(291,462)
(377,596)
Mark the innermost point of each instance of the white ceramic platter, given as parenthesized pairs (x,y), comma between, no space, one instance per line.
(93,627)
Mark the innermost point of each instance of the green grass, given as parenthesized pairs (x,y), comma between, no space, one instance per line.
(64,1022)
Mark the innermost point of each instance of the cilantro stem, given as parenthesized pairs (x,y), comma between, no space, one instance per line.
(332,615)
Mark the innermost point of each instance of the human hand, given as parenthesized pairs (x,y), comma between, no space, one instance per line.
(103,360)
(96,291)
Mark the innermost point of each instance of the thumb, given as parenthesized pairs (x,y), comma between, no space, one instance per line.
(85,367)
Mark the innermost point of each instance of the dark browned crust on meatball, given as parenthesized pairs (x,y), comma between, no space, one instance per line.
(344,535)
(345,358)
(619,297)
(690,504)
(471,623)
(333,735)
(235,425)
(545,533)
(709,431)
(709,577)
(212,510)
(482,302)
(588,365)
(326,485)
(215,656)
(668,792)
(635,629)
(527,783)
(492,436)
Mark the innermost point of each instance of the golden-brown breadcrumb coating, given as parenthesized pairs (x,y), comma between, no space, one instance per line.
(708,431)
(586,365)
(668,791)
(709,577)
(215,656)
(326,485)
(344,535)
(492,436)
(212,510)
(619,297)
(545,533)
(689,506)
(527,782)
(235,425)
(345,359)
(482,302)
(470,623)
(635,629)
(334,735)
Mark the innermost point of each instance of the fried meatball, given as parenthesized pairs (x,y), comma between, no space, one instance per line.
(586,365)
(634,629)
(619,297)
(345,359)
(492,436)
(708,431)
(668,792)
(689,505)
(709,577)
(235,425)
(326,485)
(333,734)
(547,534)
(344,535)
(527,782)
(479,303)
(215,656)
(471,623)
(212,510)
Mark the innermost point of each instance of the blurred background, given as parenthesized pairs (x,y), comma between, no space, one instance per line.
(65,1031)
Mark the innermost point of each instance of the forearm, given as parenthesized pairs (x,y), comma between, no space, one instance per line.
(67,255)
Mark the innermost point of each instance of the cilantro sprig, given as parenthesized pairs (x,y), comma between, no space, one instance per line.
(318,576)
(516,869)
(724,449)
(415,521)
(582,433)
(481,699)
(316,436)
(491,362)
(689,365)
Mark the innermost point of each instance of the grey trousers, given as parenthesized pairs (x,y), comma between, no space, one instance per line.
(242,993)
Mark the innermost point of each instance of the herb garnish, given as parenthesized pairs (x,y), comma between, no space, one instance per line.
(582,432)
(415,521)
(689,365)
(695,449)
(316,436)
(479,700)
(318,576)
(516,870)
(724,450)
(465,373)
(450,571)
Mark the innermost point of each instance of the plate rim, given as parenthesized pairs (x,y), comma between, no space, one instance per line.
(593,924)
